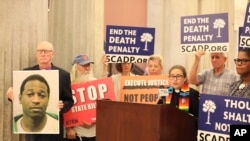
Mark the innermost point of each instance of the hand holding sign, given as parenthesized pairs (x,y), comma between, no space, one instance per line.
(199,53)
(85,95)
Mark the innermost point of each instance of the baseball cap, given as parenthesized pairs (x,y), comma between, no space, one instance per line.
(82,59)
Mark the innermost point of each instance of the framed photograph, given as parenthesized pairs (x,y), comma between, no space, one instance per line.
(36,95)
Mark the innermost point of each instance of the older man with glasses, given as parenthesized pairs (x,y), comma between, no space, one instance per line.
(215,80)
(45,54)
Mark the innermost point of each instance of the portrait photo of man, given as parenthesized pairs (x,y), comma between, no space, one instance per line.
(32,113)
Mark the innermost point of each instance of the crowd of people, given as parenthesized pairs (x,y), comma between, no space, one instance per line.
(218,80)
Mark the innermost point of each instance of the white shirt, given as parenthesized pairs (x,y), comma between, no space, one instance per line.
(51,126)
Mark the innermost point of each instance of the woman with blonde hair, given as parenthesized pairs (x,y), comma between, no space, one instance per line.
(155,65)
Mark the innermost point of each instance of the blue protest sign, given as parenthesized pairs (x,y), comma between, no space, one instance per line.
(204,32)
(126,44)
(245,33)
(240,31)
(217,113)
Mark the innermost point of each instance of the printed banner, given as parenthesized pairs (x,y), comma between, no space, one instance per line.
(85,96)
(126,44)
(245,33)
(142,89)
(239,36)
(36,95)
(217,113)
(204,32)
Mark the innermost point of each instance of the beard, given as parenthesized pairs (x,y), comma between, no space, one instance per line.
(83,76)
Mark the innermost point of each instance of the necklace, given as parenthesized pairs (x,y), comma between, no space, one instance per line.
(242,86)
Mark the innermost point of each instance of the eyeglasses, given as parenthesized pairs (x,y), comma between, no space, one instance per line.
(178,77)
(241,61)
(43,51)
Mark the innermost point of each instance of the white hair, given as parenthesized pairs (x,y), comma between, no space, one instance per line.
(77,77)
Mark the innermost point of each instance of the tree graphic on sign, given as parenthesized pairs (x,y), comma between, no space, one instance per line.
(218,24)
(146,37)
(209,107)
